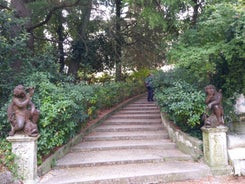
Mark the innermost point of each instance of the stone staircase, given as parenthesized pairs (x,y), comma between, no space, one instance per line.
(236,147)
(130,147)
(236,153)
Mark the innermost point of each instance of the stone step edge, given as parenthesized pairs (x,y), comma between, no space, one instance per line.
(126,129)
(90,138)
(141,107)
(161,175)
(151,179)
(47,164)
(126,121)
(135,117)
(237,153)
(137,112)
(165,146)
(237,160)
(124,162)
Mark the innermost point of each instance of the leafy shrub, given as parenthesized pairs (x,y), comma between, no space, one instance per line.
(213,50)
(7,157)
(183,103)
(66,107)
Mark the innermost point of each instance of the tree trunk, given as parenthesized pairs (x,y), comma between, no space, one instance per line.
(23,12)
(118,48)
(86,12)
(195,12)
(59,31)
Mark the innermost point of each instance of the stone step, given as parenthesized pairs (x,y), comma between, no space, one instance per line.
(140,108)
(128,127)
(144,173)
(237,159)
(142,103)
(237,153)
(124,144)
(143,100)
(132,121)
(136,116)
(113,157)
(137,104)
(138,112)
(132,135)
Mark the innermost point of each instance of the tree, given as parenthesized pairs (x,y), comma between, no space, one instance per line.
(80,27)
(153,26)
(213,51)
(118,40)
(36,18)
(10,43)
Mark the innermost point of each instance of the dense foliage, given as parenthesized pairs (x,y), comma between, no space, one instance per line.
(11,50)
(183,102)
(213,50)
(17,62)
(58,46)
(66,107)
(182,98)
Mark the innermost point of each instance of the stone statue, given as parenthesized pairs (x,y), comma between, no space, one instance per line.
(214,104)
(22,114)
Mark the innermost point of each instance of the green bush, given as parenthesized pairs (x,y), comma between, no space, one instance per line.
(213,49)
(182,102)
(66,107)
(7,157)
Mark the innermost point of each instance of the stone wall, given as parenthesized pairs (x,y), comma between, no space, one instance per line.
(184,142)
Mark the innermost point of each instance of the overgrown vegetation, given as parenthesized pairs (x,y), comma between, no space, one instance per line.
(66,104)
(182,98)
(7,157)
(204,39)
(66,107)
(213,50)
(183,102)
(210,52)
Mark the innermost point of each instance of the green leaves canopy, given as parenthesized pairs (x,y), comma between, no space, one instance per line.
(212,49)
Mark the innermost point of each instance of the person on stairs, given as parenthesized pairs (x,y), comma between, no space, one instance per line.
(149,86)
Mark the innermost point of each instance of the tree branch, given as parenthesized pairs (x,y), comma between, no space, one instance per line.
(2,6)
(49,15)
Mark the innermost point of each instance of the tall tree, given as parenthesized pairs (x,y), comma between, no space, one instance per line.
(118,41)
(22,11)
(79,45)
(26,9)
(213,50)
(61,39)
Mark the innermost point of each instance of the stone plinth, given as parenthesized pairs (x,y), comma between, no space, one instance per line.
(215,149)
(25,149)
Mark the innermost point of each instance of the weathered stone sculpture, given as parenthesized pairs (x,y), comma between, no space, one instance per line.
(214,104)
(22,114)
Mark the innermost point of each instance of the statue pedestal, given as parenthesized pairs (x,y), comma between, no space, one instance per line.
(25,149)
(215,149)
